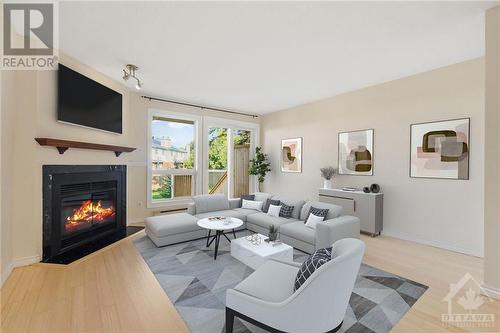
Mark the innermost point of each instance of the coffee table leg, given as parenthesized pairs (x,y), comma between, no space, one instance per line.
(234,234)
(217,239)
(226,237)
(208,237)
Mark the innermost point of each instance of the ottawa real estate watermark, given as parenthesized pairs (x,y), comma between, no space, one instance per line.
(466,301)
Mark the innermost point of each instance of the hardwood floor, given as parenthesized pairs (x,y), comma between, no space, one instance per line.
(111,290)
(114,290)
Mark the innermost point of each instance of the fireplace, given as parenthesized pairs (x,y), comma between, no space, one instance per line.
(83,205)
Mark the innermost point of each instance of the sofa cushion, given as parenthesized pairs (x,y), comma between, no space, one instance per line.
(298,230)
(210,202)
(171,224)
(252,204)
(286,211)
(263,220)
(334,211)
(246,197)
(269,202)
(321,212)
(297,205)
(315,261)
(245,211)
(227,212)
(262,196)
(272,282)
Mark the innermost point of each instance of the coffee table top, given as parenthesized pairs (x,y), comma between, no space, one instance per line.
(263,249)
(220,225)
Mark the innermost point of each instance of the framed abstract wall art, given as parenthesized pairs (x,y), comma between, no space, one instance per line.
(356,153)
(291,155)
(440,149)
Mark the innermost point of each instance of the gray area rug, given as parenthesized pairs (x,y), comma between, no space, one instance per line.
(197,284)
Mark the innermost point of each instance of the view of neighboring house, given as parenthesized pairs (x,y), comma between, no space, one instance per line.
(167,156)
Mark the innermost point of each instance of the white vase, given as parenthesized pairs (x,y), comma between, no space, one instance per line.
(327,183)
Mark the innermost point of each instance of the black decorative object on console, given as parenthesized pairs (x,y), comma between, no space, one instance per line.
(375,188)
(366,189)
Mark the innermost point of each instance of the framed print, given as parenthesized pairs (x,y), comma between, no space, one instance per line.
(291,155)
(356,153)
(440,149)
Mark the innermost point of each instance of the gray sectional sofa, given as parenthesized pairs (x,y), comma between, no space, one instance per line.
(175,228)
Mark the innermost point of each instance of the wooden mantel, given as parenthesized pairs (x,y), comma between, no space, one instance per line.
(63,145)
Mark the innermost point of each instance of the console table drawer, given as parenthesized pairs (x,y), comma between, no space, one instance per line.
(348,205)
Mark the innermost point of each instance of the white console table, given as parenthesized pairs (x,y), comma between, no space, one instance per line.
(369,207)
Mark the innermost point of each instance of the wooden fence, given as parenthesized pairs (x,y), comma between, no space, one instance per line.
(240,174)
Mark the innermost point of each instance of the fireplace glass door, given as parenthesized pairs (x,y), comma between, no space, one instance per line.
(85,211)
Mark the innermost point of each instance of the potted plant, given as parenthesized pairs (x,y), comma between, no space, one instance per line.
(273,233)
(259,166)
(328,173)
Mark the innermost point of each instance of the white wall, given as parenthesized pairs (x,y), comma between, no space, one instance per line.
(492,146)
(29,111)
(444,213)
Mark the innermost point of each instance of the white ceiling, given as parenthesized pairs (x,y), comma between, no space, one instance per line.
(265,56)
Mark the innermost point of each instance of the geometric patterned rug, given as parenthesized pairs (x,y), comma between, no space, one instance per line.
(197,284)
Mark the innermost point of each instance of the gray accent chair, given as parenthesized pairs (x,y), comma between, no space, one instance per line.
(267,299)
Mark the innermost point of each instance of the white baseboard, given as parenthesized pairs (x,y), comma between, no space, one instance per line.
(6,273)
(490,291)
(441,245)
(26,261)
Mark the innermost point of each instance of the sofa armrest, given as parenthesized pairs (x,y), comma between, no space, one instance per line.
(191,208)
(234,203)
(330,231)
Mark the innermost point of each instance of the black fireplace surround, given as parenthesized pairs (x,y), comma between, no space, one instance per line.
(82,205)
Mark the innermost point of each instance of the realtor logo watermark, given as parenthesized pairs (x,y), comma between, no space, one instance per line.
(464,305)
(29,36)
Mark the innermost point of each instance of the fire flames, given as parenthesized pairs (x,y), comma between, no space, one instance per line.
(90,211)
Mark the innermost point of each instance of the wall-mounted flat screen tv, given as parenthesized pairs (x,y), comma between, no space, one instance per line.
(85,102)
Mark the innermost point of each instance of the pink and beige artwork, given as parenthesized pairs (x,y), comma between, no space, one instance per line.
(291,155)
(356,153)
(440,149)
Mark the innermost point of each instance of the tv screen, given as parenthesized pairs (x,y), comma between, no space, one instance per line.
(83,101)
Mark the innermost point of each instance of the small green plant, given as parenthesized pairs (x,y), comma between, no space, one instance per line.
(273,233)
(259,166)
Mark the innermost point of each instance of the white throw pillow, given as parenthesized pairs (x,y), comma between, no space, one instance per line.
(250,204)
(312,220)
(274,210)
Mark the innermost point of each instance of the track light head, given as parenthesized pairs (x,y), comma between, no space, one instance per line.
(129,72)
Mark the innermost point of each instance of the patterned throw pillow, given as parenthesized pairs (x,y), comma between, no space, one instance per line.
(269,202)
(318,212)
(315,260)
(286,211)
(250,197)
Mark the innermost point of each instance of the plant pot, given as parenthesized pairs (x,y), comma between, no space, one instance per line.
(327,183)
(273,236)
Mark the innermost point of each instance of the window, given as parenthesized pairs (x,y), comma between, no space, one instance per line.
(228,147)
(186,158)
(172,158)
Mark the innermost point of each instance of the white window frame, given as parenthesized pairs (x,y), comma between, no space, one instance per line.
(196,171)
(231,125)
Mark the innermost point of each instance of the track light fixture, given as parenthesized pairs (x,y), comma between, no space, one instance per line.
(129,72)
